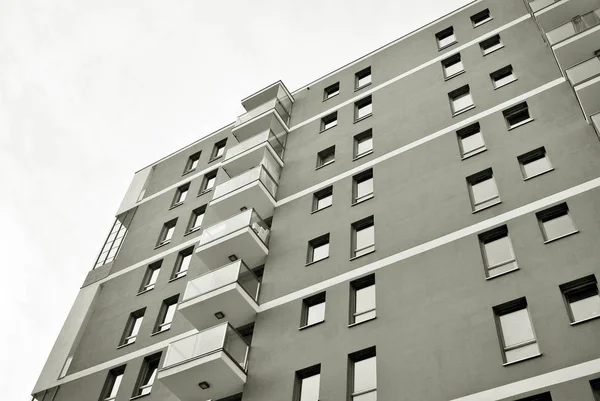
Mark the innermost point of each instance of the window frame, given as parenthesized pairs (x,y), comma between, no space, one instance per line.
(361,103)
(506,309)
(314,243)
(478,178)
(446,63)
(466,132)
(182,190)
(501,74)
(551,213)
(319,195)
(441,35)
(532,156)
(458,93)
(164,233)
(365,72)
(329,119)
(146,284)
(109,383)
(486,44)
(308,303)
(490,236)
(514,111)
(161,324)
(177,272)
(358,179)
(303,374)
(353,359)
(574,288)
(483,21)
(216,151)
(331,91)
(199,211)
(321,155)
(355,227)
(192,162)
(128,332)
(146,375)
(364,135)
(355,287)
(206,179)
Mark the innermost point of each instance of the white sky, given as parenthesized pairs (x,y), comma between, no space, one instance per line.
(91,91)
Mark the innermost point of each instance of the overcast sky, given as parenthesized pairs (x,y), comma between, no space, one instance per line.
(91,91)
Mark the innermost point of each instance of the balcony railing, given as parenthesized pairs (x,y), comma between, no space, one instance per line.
(258,173)
(537,5)
(577,25)
(235,272)
(278,144)
(584,71)
(276,104)
(247,218)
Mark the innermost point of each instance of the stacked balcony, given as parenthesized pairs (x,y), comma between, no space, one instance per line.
(585,79)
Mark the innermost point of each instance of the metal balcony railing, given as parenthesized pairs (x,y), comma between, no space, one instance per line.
(584,71)
(577,25)
(258,173)
(277,143)
(276,104)
(247,218)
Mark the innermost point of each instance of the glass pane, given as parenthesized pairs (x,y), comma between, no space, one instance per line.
(316,313)
(493,47)
(198,220)
(498,251)
(206,283)
(472,143)
(115,387)
(516,327)
(210,182)
(309,390)
(372,396)
(505,80)
(220,151)
(365,316)
(185,263)
(151,374)
(153,277)
(364,80)
(320,252)
(195,345)
(329,124)
(324,202)
(484,190)
(522,352)
(135,328)
(365,237)
(365,299)
(236,347)
(536,167)
(502,269)
(364,145)
(169,233)
(586,308)
(194,164)
(558,226)
(454,68)
(365,374)
(170,313)
(447,40)
(364,110)
(462,102)
(364,188)
(327,157)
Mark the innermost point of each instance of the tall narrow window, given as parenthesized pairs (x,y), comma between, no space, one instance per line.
(503,76)
(363,144)
(182,263)
(192,162)
(595,384)
(498,254)
(313,310)
(196,219)
(362,299)
(534,163)
(331,91)
(516,331)
(132,328)
(318,249)
(150,276)
(556,222)
(490,45)
(167,232)
(362,78)
(208,182)
(307,384)
(582,299)
(362,186)
(363,375)
(66,366)
(517,115)
(483,190)
(218,150)
(112,384)
(363,237)
(180,195)
(322,199)
(326,156)
(445,38)
(363,108)
(329,121)
(453,66)
(166,314)
(115,239)
(481,18)
(461,100)
(147,375)
(470,141)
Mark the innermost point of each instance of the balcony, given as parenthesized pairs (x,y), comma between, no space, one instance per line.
(250,152)
(585,78)
(596,123)
(255,188)
(576,40)
(243,236)
(231,290)
(216,357)
(553,13)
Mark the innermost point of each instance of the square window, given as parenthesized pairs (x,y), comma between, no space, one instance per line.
(147,375)
(503,76)
(322,199)
(318,249)
(461,100)
(362,78)
(363,237)
(112,384)
(534,163)
(497,251)
(218,150)
(481,18)
(490,45)
(362,186)
(329,121)
(306,387)
(150,277)
(556,222)
(517,115)
(167,232)
(182,264)
(516,331)
(313,310)
(363,143)
(166,314)
(180,195)
(326,156)
(363,108)
(470,141)
(208,182)
(363,375)
(483,190)
(582,299)
(362,299)
(192,162)
(196,219)
(331,91)
(453,66)
(445,38)
(132,328)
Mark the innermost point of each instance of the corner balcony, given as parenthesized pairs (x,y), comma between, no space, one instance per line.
(585,78)
(576,40)
(230,292)
(553,13)
(208,365)
(250,153)
(255,188)
(243,236)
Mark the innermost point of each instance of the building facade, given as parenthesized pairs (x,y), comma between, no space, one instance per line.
(421,224)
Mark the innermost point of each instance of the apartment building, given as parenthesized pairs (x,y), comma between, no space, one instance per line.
(420,224)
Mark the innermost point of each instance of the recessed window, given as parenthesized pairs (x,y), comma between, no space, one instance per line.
(167,232)
(556,222)
(517,115)
(481,18)
(180,195)
(66,366)
(218,150)
(362,299)
(595,384)
(322,199)
(490,45)
(461,100)
(362,78)
(453,66)
(196,219)
(483,190)
(329,121)
(363,375)
(470,140)
(318,249)
(534,163)
(147,375)
(208,182)
(516,331)
(313,310)
(445,38)
(331,91)
(182,264)
(363,143)
(132,328)
(307,384)
(363,237)
(363,108)
(497,250)
(112,384)
(582,299)
(326,156)
(362,186)
(166,314)
(150,277)
(503,76)
(192,162)
(115,239)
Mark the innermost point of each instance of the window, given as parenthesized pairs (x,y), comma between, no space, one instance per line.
(538,397)
(192,162)
(180,195)
(66,366)
(582,299)
(150,276)
(516,331)
(503,77)
(331,91)
(182,263)
(208,182)
(363,108)
(461,100)
(445,38)
(147,375)
(362,186)
(318,249)
(534,163)
(362,299)
(363,143)
(490,45)
(307,384)
(556,222)
(363,237)
(115,239)
(166,314)
(132,328)
(453,66)
(517,115)
(595,384)
(363,375)
(483,190)
(325,157)
(196,219)
(470,141)
(329,121)
(498,254)
(313,310)
(362,78)
(481,18)
(322,199)
(218,149)
(167,232)
(112,384)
